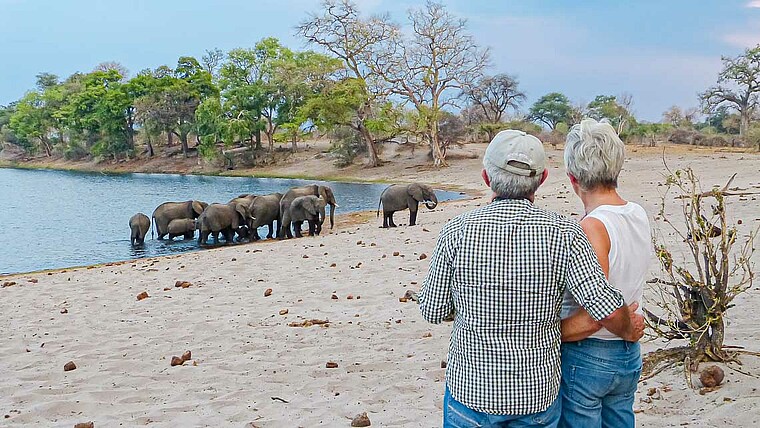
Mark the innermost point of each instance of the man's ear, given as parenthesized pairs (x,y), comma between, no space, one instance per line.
(486,180)
(544,176)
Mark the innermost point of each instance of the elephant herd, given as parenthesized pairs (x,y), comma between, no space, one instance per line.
(242,216)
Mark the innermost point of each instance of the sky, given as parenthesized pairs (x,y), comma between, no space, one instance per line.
(662,52)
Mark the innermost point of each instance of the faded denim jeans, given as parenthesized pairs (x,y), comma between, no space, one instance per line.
(599,379)
(457,415)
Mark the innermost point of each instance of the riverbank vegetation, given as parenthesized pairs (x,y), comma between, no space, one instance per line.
(366,81)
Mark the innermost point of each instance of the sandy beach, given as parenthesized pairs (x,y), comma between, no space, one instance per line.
(252,366)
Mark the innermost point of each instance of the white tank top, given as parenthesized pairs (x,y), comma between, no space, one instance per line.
(630,254)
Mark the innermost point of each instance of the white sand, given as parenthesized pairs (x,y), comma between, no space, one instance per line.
(247,356)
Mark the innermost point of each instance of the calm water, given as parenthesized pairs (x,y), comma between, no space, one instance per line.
(55,219)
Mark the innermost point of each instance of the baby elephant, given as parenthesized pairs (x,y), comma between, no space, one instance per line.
(310,208)
(399,197)
(139,224)
(182,226)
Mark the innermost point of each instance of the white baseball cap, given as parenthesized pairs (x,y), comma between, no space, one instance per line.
(516,152)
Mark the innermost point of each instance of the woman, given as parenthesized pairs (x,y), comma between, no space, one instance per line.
(600,371)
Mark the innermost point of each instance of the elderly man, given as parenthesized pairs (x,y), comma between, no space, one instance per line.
(502,270)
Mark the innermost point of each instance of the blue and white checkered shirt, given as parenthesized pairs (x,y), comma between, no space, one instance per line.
(503,270)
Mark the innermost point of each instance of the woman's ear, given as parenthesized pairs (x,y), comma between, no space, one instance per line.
(573,180)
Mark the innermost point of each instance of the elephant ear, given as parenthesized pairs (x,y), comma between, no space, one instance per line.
(242,210)
(415,191)
(311,206)
(198,207)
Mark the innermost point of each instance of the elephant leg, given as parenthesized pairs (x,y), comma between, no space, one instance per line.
(412,218)
(313,228)
(289,230)
(390,219)
(203,238)
(189,235)
(317,227)
(385,219)
(216,237)
(297,228)
(271,230)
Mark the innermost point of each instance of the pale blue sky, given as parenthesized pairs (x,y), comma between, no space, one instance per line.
(662,52)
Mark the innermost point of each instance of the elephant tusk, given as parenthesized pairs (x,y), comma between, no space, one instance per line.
(336,206)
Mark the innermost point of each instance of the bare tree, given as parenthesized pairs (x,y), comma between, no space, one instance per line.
(212,60)
(432,66)
(494,95)
(343,32)
(738,87)
(113,65)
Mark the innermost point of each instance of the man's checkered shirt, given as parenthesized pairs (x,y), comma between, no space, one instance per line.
(503,269)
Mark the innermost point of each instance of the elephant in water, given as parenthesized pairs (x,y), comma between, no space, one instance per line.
(264,210)
(221,218)
(169,211)
(399,197)
(244,231)
(139,225)
(324,192)
(182,227)
(310,208)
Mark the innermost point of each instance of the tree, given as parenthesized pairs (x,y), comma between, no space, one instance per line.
(431,66)
(341,31)
(494,95)
(32,121)
(614,109)
(212,60)
(551,109)
(46,81)
(738,87)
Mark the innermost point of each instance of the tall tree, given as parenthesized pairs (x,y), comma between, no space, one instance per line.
(738,87)
(551,109)
(614,109)
(431,66)
(494,95)
(343,32)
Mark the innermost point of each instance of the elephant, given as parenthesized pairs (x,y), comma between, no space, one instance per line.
(182,227)
(264,210)
(324,192)
(169,211)
(399,197)
(224,218)
(244,231)
(139,224)
(310,208)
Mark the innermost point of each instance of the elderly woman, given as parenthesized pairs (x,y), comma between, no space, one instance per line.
(600,370)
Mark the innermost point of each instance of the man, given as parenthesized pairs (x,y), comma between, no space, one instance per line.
(502,270)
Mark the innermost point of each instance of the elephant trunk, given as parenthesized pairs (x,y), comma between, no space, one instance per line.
(432,201)
(332,215)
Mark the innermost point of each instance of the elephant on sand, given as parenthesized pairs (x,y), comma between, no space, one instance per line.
(169,211)
(399,197)
(324,192)
(264,210)
(182,227)
(139,225)
(310,208)
(221,218)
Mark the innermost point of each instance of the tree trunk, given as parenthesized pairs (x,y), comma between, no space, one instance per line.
(374,160)
(183,141)
(258,140)
(744,122)
(46,147)
(150,147)
(435,144)
(270,140)
(169,138)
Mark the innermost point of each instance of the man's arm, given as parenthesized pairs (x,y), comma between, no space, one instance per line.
(587,283)
(436,302)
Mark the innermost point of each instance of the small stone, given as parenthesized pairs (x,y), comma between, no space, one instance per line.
(428,334)
(361,420)
(425,230)
(358,297)
(177,361)
(331,365)
(398,321)
(267,292)
(712,376)
(444,364)
(182,284)
(423,256)
(359,242)
(187,356)
(403,299)
(333,265)
(143,295)
(305,256)
(85,425)
(69,366)
(334,297)
(283,311)
(34,280)
(396,253)
(651,392)
(739,221)
(233,259)
(167,289)
(64,311)
(350,297)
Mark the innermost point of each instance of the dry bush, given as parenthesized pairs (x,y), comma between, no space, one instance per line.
(695,292)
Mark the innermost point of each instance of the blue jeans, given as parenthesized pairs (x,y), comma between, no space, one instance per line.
(457,415)
(599,379)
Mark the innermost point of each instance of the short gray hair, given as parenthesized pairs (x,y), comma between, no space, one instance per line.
(511,186)
(594,154)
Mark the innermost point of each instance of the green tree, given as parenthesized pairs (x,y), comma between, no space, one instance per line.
(738,87)
(32,122)
(551,109)
(612,108)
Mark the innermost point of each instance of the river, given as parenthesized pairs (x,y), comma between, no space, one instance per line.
(55,219)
